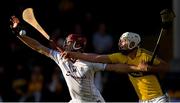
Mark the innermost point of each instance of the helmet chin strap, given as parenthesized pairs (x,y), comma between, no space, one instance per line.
(126,52)
(130,48)
(76,48)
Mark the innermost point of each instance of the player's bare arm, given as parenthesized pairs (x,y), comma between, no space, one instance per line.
(35,45)
(87,56)
(163,66)
(124,68)
(30,42)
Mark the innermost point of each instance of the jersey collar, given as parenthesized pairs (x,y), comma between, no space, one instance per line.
(138,52)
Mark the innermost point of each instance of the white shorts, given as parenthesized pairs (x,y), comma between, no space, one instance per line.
(75,101)
(161,99)
(80,101)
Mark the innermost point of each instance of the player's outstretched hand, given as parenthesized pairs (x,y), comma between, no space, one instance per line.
(14,22)
(15,26)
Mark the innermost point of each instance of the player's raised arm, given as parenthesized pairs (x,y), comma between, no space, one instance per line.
(30,42)
(87,56)
(35,45)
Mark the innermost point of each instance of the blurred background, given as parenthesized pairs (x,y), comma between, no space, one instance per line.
(26,75)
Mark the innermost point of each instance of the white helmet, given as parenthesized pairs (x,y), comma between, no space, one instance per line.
(132,38)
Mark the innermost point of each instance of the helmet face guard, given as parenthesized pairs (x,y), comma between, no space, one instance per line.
(132,40)
(79,42)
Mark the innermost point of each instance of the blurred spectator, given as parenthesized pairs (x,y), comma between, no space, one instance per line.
(2,79)
(13,46)
(35,85)
(102,44)
(19,82)
(77,29)
(66,5)
(1,99)
(56,86)
(172,84)
(67,12)
(88,24)
(102,41)
(58,37)
(174,95)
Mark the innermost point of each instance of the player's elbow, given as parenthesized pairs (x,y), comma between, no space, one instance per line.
(162,68)
(166,67)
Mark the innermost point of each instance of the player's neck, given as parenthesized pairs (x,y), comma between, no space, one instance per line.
(132,54)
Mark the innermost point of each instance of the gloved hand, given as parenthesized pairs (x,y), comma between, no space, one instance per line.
(16,26)
(167,17)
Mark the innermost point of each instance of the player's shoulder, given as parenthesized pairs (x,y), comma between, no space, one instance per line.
(54,54)
(145,51)
(52,51)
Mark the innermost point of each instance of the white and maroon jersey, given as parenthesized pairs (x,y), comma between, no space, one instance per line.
(79,77)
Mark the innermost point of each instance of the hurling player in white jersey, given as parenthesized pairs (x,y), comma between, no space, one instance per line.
(78,74)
